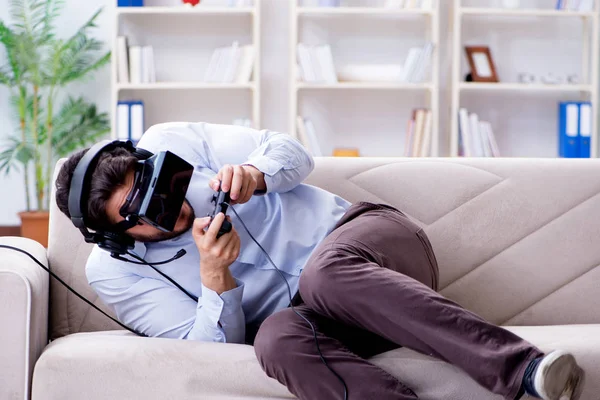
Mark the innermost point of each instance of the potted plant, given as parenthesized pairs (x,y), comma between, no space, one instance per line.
(50,124)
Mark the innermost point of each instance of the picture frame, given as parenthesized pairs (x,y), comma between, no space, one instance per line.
(481,64)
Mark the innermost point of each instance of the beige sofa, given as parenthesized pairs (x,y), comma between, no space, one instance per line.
(517,240)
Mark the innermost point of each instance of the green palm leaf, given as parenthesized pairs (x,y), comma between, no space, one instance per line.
(77,125)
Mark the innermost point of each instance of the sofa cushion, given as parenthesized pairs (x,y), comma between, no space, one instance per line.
(118,365)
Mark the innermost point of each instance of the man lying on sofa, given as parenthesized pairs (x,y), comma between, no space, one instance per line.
(363,274)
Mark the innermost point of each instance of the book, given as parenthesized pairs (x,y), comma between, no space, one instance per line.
(122,60)
(246,64)
(135,64)
(419,118)
(136,115)
(426,145)
(568,130)
(585,129)
(123,120)
(148,68)
(311,133)
(465,134)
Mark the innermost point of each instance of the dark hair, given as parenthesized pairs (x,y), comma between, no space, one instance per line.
(109,174)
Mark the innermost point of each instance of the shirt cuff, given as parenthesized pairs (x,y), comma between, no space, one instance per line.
(216,306)
(267,166)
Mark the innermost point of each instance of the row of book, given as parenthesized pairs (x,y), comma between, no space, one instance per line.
(316,64)
(575,5)
(574,129)
(232,64)
(418,134)
(307,135)
(130,120)
(415,4)
(476,137)
(417,64)
(135,64)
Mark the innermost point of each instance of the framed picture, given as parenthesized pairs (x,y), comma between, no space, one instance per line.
(481,64)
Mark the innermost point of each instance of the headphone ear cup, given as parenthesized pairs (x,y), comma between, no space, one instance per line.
(118,243)
(142,154)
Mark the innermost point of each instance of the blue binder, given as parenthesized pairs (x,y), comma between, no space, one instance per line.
(130,3)
(568,130)
(585,128)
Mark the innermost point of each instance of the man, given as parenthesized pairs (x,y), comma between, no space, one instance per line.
(364,275)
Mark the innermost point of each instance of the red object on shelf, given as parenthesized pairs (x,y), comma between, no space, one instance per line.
(192,2)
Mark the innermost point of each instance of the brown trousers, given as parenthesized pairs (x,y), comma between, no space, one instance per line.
(371,287)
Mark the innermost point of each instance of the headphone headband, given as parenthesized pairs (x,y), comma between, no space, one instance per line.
(115,242)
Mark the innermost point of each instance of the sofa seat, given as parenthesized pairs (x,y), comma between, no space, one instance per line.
(119,365)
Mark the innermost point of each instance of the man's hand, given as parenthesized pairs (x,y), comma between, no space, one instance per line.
(216,255)
(240,181)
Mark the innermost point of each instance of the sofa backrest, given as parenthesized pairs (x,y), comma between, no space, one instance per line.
(517,240)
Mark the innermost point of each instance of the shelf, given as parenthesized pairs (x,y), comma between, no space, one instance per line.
(509,12)
(522,87)
(183,86)
(362,11)
(365,85)
(185,10)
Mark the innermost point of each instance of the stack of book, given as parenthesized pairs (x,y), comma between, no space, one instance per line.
(574,129)
(417,64)
(418,134)
(476,137)
(130,120)
(233,64)
(135,64)
(316,64)
(307,135)
(418,4)
(575,5)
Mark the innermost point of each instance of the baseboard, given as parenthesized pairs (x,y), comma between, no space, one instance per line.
(10,231)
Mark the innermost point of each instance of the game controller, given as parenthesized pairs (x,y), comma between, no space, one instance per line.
(221,200)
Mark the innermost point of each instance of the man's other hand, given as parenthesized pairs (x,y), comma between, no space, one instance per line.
(240,181)
(216,255)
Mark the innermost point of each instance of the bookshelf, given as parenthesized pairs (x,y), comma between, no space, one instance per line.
(387,105)
(183,40)
(521,98)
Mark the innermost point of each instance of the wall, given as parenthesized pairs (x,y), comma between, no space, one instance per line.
(525,126)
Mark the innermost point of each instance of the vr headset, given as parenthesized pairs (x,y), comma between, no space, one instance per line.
(159,188)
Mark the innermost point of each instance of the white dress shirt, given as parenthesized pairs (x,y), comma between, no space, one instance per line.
(289,221)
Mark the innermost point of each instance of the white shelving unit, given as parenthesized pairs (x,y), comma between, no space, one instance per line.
(346,15)
(585,91)
(164,23)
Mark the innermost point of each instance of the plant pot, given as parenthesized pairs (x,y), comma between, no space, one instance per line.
(34,225)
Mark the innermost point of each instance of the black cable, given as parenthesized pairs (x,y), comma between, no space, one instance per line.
(292,306)
(70,288)
(179,254)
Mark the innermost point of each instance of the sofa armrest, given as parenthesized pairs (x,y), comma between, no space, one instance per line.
(24,315)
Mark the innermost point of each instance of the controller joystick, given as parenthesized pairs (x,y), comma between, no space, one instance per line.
(221,201)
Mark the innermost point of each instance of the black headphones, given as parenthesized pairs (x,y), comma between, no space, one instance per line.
(114,241)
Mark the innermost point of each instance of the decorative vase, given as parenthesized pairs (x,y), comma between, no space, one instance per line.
(34,225)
